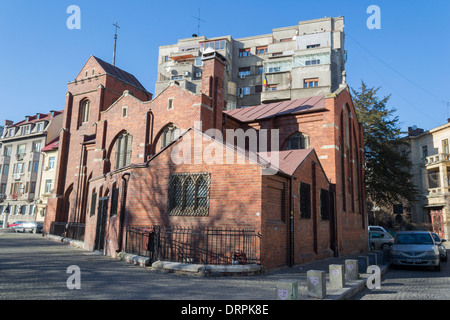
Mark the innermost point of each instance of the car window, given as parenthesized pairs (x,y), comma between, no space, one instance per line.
(413,239)
(376,235)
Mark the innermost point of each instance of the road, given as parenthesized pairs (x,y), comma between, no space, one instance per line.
(411,283)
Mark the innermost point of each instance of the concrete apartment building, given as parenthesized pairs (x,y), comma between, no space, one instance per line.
(290,63)
(21,163)
(430,156)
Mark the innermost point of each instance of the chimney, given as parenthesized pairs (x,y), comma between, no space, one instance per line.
(213,80)
(8,123)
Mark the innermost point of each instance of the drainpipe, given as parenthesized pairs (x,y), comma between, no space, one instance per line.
(291,223)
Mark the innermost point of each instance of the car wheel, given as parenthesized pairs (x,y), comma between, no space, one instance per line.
(385,246)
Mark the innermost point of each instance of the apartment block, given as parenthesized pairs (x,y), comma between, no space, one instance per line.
(430,156)
(21,163)
(290,63)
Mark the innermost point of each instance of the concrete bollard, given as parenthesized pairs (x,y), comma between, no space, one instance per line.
(380,259)
(363,263)
(351,270)
(316,284)
(337,276)
(287,290)
(372,257)
(386,255)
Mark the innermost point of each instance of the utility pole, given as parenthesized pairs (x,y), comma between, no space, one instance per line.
(115,43)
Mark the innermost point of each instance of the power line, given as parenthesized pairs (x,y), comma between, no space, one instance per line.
(397,72)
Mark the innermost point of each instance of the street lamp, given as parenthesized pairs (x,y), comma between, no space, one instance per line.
(5,219)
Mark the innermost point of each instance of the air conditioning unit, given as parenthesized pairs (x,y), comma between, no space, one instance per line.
(242,76)
(186,73)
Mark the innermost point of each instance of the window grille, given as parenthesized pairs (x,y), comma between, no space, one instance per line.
(189,194)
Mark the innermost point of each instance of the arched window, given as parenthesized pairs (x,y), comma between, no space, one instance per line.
(298,141)
(123,150)
(170,133)
(85,106)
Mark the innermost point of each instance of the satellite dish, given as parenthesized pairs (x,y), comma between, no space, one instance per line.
(208,50)
(414,127)
(174,72)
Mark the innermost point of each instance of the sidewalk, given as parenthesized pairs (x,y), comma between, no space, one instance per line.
(294,274)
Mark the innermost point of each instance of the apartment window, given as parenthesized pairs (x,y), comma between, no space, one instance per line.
(177,77)
(312,46)
(312,62)
(40,127)
(37,146)
(244,91)
(24,210)
(445,146)
(5,169)
(21,149)
(51,163)
(7,151)
(189,194)
(11,132)
(271,87)
(85,106)
(243,72)
(305,200)
(3,188)
(285,39)
(261,50)
(31,209)
(244,52)
(48,186)
(424,152)
(433,179)
(216,45)
(35,166)
(24,130)
(259,69)
(198,61)
(123,150)
(258,88)
(298,141)
(33,187)
(311,83)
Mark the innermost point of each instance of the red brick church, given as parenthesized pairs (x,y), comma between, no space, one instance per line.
(128,159)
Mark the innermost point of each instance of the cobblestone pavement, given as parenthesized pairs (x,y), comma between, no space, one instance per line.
(409,283)
(33,267)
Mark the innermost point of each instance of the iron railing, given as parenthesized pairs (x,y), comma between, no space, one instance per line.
(195,245)
(70,230)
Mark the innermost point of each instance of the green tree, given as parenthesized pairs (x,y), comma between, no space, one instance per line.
(388,175)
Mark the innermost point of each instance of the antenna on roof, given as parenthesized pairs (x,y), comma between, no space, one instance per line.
(198,25)
(115,42)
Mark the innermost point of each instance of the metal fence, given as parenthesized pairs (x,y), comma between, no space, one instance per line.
(195,245)
(70,230)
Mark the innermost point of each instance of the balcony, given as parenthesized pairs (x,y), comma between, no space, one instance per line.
(20,156)
(437,159)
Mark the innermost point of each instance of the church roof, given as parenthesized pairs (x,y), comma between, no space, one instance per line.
(119,73)
(288,160)
(271,110)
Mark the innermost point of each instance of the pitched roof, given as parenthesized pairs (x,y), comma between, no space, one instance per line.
(34,119)
(119,73)
(271,110)
(54,145)
(288,160)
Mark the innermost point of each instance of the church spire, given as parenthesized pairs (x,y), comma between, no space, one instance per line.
(115,43)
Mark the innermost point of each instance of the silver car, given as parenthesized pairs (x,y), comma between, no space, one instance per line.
(415,248)
(380,240)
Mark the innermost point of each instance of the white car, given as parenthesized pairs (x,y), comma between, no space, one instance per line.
(377,228)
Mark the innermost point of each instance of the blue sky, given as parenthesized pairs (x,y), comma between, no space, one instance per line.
(408,57)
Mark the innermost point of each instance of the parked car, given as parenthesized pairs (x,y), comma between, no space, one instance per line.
(15,223)
(30,226)
(415,248)
(377,228)
(380,240)
(442,249)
